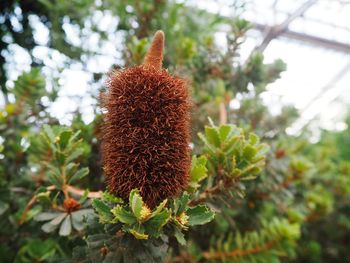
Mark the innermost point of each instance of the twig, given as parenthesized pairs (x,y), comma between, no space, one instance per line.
(223,113)
(80,192)
(203,196)
(240,252)
(223,183)
(26,209)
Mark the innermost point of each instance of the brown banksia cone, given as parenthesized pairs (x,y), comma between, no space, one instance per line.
(146,130)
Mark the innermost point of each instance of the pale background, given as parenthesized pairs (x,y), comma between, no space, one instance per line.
(314,42)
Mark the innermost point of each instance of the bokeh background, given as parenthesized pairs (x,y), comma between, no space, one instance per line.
(76,47)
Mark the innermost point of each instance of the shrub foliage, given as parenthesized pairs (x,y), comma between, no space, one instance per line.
(251,193)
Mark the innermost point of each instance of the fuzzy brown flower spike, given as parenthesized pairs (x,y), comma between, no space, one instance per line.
(146,130)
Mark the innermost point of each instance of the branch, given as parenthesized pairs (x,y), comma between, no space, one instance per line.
(240,252)
(81,192)
(26,209)
(223,113)
(203,196)
(222,184)
(217,189)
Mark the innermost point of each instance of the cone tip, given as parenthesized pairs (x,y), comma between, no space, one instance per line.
(154,56)
(159,34)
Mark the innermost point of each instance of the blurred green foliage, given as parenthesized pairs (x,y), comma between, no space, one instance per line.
(276,198)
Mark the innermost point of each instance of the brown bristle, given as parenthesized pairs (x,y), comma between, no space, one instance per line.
(146,134)
(154,56)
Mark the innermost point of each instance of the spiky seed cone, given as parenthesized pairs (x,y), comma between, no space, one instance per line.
(146,130)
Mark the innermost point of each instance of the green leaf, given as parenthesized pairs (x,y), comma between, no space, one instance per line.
(81,173)
(72,138)
(232,143)
(57,220)
(54,179)
(45,216)
(225,132)
(199,215)
(103,210)
(71,168)
(96,240)
(3,207)
(48,227)
(181,203)
(107,196)
(49,132)
(41,249)
(74,155)
(60,157)
(136,203)
(137,234)
(248,172)
(84,197)
(66,227)
(78,218)
(253,138)
(198,170)
(179,236)
(212,136)
(77,225)
(206,142)
(154,224)
(159,208)
(239,241)
(32,213)
(249,152)
(64,138)
(123,215)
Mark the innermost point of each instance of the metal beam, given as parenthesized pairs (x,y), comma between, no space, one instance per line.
(330,85)
(277,30)
(301,123)
(313,40)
